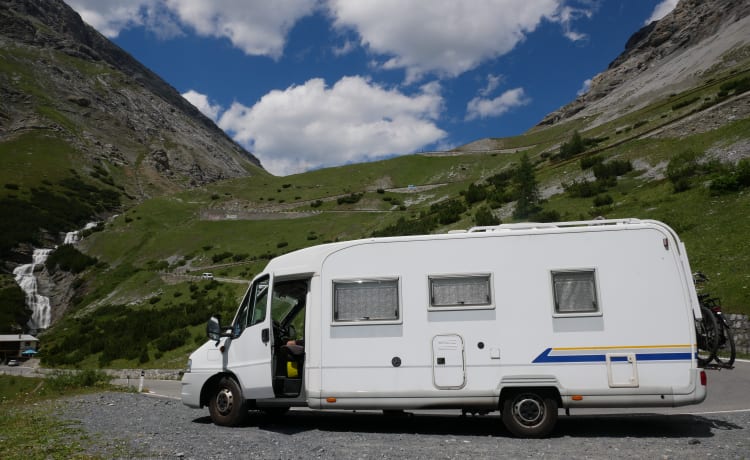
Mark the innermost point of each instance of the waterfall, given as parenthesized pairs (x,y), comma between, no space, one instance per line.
(40,307)
(39,304)
(75,236)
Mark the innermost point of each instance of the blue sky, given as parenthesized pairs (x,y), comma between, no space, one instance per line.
(305,84)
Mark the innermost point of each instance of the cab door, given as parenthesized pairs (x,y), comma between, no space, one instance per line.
(249,353)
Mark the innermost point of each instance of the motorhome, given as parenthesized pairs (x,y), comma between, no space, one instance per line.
(525,319)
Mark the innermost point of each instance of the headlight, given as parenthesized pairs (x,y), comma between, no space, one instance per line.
(189,365)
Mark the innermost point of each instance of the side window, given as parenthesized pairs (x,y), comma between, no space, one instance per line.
(575,292)
(366,300)
(457,292)
(259,301)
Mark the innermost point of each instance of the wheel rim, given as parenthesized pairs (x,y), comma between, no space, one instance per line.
(528,410)
(224,401)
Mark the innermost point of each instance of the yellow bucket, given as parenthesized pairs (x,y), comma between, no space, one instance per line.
(291,369)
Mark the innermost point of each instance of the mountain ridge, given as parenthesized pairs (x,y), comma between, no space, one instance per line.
(66,78)
(668,55)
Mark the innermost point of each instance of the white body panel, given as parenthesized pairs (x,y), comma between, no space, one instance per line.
(638,349)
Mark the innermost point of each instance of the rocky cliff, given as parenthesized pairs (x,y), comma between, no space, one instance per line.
(697,40)
(59,77)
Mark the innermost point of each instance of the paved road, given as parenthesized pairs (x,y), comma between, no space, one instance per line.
(728,391)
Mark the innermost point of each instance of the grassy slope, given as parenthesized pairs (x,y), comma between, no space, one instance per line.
(170,230)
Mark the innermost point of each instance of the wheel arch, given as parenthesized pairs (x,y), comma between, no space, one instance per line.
(210,386)
(549,390)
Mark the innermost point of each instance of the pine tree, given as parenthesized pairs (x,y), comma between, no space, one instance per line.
(526,188)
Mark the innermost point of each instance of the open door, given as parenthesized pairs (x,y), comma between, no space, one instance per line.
(249,353)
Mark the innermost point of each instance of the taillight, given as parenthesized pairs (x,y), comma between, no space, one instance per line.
(704,379)
(716,309)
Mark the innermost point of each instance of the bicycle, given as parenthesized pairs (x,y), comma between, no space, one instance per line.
(715,338)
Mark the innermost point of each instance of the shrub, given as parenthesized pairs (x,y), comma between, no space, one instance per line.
(584,189)
(282,244)
(475,193)
(448,211)
(590,161)
(67,258)
(612,169)
(548,215)
(603,200)
(685,103)
(484,217)
(62,381)
(316,204)
(350,199)
(221,256)
(681,168)
(732,180)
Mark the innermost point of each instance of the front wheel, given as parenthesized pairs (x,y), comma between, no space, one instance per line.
(529,414)
(227,406)
(726,347)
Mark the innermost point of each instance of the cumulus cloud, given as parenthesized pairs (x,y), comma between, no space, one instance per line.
(445,36)
(201,102)
(661,10)
(255,27)
(110,17)
(481,107)
(314,125)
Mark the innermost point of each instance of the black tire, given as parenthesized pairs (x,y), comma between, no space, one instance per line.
(727,346)
(529,413)
(707,337)
(227,406)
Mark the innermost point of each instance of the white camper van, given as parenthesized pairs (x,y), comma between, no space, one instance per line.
(520,318)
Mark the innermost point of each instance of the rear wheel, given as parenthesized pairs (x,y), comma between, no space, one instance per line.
(726,354)
(227,406)
(707,334)
(530,413)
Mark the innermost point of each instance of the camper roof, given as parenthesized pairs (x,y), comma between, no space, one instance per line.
(309,260)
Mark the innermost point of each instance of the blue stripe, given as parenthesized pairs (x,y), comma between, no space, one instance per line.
(545,357)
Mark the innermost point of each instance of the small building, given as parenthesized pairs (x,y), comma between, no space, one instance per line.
(12,346)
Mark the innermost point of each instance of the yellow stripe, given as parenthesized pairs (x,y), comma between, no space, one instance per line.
(620,348)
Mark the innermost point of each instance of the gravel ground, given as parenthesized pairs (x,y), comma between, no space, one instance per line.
(147,426)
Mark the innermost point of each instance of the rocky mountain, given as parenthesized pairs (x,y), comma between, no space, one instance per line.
(123,125)
(694,42)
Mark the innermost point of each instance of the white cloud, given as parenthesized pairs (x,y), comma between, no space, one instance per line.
(201,102)
(585,87)
(661,10)
(567,14)
(493,81)
(109,17)
(313,125)
(255,27)
(446,37)
(480,107)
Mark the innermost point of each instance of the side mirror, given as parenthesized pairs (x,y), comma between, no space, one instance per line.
(213,328)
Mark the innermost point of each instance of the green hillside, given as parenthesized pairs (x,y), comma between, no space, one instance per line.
(145,296)
(83,155)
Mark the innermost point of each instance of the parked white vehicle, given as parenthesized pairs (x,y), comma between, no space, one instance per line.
(520,318)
